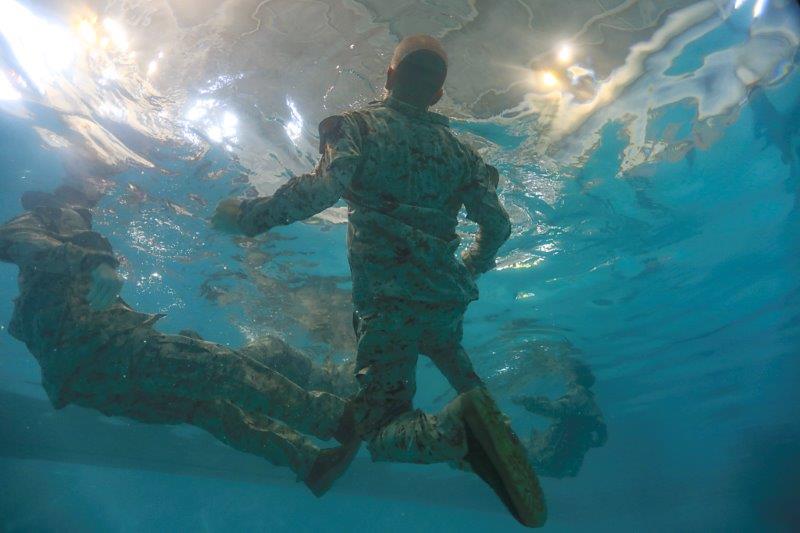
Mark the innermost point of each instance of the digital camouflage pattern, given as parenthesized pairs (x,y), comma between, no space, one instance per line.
(404,176)
(115,362)
(391,334)
(577,424)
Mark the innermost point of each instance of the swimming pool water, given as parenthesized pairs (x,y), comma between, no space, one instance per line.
(675,275)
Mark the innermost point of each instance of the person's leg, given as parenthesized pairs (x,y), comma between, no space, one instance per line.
(389,339)
(299,367)
(174,379)
(115,362)
(386,359)
(441,342)
(209,371)
(422,438)
(258,435)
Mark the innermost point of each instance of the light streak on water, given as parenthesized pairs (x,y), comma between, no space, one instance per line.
(758,9)
(219,125)
(294,128)
(42,49)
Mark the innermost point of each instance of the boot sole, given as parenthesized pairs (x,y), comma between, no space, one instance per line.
(508,457)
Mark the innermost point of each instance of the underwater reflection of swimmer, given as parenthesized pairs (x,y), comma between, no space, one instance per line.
(576,425)
(780,129)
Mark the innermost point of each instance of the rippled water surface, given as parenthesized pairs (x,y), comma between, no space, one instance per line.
(650,154)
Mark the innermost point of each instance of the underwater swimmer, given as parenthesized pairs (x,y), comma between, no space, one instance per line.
(405,176)
(96,352)
(577,424)
(68,310)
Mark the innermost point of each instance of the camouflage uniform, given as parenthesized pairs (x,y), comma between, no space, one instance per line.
(577,425)
(405,177)
(114,361)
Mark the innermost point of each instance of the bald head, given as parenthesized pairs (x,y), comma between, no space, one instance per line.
(415,43)
(418,70)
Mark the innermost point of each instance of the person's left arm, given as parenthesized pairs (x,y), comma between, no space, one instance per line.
(306,195)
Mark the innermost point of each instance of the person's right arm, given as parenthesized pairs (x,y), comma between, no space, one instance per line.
(304,195)
(483,207)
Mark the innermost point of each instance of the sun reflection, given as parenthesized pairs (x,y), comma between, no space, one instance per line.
(43,50)
(564,55)
(229,125)
(549,79)
(116,33)
(200,109)
(294,128)
(87,32)
(219,125)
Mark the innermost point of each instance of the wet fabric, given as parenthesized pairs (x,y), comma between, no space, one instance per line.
(115,362)
(577,425)
(404,176)
(391,333)
(258,399)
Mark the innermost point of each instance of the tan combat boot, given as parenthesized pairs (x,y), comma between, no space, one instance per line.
(497,456)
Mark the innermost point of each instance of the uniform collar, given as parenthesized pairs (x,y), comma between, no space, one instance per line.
(414,111)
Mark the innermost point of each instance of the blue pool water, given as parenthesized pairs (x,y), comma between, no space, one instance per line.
(677,280)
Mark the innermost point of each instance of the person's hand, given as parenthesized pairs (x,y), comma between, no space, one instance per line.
(106,284)
(226,217)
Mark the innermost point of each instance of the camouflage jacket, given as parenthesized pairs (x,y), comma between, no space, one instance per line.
(404,176)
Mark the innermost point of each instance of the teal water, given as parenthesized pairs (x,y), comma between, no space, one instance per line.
(677,282)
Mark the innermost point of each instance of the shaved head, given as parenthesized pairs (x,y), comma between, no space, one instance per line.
(415,43)
(418,70)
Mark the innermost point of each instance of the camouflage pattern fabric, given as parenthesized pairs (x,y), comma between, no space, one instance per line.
(115,362)
(405,177)
(390,335)
(577,425)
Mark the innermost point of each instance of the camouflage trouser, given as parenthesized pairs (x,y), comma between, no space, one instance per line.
(157,378)
(116,362)
(391,334)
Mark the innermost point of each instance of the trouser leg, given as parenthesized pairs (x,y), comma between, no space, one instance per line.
(258,435)
(297,366)
(441,342)
(419,437)
(390,337)
(205,371)
(165,378)
(386,359)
